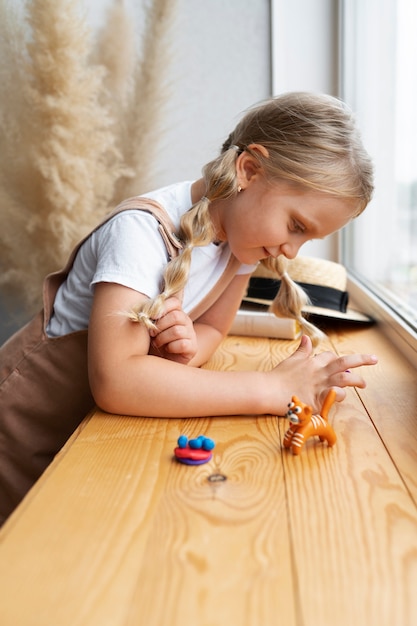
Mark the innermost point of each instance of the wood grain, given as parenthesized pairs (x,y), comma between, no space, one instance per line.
(390,397)
(117,533)
(353,528)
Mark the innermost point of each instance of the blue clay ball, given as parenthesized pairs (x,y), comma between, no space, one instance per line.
(195,444)
(208,444)
(182,441)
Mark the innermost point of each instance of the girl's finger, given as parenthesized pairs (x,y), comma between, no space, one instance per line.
(170,304)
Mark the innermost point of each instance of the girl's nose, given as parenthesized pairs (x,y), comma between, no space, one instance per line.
(290,250)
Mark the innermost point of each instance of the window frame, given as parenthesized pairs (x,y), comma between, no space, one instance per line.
(393,326)
(388,313)
(292,47)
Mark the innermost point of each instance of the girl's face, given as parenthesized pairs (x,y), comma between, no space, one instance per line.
(272,219)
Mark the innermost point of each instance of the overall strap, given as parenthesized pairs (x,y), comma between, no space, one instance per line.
(166,228)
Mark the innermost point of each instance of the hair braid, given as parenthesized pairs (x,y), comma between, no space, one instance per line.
(312,142)
(195,230)
(291,298)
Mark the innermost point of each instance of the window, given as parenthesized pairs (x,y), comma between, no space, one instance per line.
(379,82)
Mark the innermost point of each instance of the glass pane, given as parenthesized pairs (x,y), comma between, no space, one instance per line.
(379,81)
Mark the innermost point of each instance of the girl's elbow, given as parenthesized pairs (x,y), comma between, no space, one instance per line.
(104,393)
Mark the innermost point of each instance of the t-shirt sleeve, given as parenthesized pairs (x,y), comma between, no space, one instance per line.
(130,252)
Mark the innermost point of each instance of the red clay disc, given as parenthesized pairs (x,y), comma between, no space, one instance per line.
(193,454)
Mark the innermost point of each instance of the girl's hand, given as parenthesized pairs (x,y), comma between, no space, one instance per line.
(175,338)
(311,377)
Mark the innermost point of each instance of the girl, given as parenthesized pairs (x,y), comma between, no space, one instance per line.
(156,307)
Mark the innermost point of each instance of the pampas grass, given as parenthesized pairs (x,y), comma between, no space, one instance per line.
(138,90)
(116,50)
(65,156)
(142,114)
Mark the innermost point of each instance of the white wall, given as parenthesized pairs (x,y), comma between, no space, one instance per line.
(221,64)
(224,60)
(304,45)
(305,58)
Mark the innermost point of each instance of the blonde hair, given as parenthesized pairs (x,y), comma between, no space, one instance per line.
(312,142)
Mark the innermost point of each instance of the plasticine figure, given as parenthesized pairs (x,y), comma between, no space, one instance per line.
(304,424)
(194,451)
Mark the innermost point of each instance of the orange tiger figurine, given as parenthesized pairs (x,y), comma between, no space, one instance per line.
(304,424)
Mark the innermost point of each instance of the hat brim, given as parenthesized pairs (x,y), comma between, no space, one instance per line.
(350,315)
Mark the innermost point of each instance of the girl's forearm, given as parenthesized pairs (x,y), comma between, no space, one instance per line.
(209,339)
(154,387)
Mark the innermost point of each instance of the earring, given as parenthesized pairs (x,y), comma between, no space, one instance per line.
(239,189)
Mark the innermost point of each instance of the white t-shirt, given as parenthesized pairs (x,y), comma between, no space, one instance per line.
(129,250)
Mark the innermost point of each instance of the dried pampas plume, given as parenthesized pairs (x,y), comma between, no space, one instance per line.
(137,87)
(64,157)
(116,50)
(149,95)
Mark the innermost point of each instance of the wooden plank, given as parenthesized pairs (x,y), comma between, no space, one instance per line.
(390,397)
(119,525)
(220,550)
(86,522)
(249,353)
(353,522)
(353,528)
(118,533)
(126,524)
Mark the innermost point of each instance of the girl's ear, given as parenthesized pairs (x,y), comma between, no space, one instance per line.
(257,147)
(247,163)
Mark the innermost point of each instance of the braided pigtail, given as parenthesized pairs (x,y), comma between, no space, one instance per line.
(195,230)
(308,140)
(291,298)
(220,174)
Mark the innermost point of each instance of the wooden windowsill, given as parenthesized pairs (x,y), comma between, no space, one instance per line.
(118,533)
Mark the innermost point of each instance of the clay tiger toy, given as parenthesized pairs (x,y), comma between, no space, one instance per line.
(303,424)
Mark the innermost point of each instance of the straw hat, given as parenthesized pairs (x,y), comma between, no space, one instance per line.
(324,282)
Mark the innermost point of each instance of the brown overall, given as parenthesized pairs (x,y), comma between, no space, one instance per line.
(44,388)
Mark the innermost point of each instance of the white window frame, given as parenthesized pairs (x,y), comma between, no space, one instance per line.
(392,317)
(306,39)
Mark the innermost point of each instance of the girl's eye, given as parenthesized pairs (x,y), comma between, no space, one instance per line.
(297,227)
